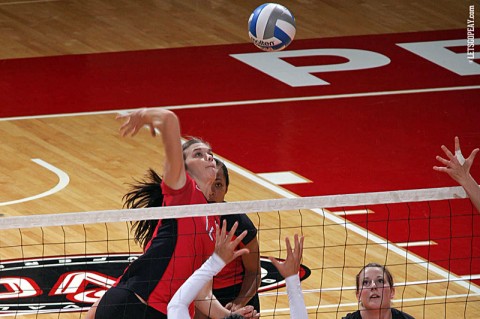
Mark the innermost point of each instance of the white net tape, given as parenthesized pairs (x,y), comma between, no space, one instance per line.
(316,202)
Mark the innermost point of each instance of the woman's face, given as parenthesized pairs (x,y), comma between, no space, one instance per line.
(200,163)
(219,188)
(375,291)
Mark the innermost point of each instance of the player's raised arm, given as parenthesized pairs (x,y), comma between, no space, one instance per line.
(458,168)
(289,270)
(167,125)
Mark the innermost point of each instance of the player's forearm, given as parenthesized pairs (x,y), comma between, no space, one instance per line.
(473,191)
(295,298)
(169,126)
(211,307)
(196,286)
(250,284)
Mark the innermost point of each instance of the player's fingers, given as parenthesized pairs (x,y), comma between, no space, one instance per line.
(217,232)
(232,231)
(457,144)
(442,160)
(252,314)
(300,247)
(129,128)
(274,261)
(289,246)
(473,154)
(125,123)
(134,131)
(296,244)
(223,230)
(447,151)
(240,252)
(249,312)
(126,130)
(459,157)
(440,169)
(119,117)
(458,151)
(152,130)
(237,240)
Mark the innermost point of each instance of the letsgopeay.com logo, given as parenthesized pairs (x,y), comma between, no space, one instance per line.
(74,283)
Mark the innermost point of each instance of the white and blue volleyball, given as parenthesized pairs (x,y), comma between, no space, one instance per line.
(271,27)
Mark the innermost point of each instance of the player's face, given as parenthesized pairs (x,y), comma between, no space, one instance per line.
(200,163)
(219,188)
(375,291)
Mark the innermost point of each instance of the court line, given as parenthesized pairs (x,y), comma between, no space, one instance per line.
(353,288)
(27,2)
(264,101)
(354,304)
(63,180)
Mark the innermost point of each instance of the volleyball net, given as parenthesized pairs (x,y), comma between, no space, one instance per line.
(57,266)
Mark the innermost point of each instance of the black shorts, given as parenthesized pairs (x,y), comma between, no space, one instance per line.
(227,294)
(120,303)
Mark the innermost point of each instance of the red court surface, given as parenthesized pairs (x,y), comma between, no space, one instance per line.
(361,133)
(107,81)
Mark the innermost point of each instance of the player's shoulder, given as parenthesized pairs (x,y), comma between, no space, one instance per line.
(243,221)
(353,315)
(397,314)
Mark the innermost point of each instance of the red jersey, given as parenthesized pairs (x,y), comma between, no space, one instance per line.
(178,248)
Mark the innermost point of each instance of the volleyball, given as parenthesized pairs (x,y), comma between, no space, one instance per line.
(271,27)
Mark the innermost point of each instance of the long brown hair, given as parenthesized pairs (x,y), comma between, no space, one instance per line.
(144,193)
(148,193)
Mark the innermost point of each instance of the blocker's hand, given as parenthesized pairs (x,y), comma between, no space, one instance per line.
(456,166)
(291,265)
(225,244)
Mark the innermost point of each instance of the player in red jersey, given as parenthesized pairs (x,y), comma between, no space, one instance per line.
(225,251)
(178,246)
(237,284)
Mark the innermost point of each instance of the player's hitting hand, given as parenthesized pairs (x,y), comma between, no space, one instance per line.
(154,118)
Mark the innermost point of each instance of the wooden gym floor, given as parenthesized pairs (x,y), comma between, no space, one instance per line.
(99,163)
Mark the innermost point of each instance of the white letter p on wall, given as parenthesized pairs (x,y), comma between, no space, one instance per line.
(272,64)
